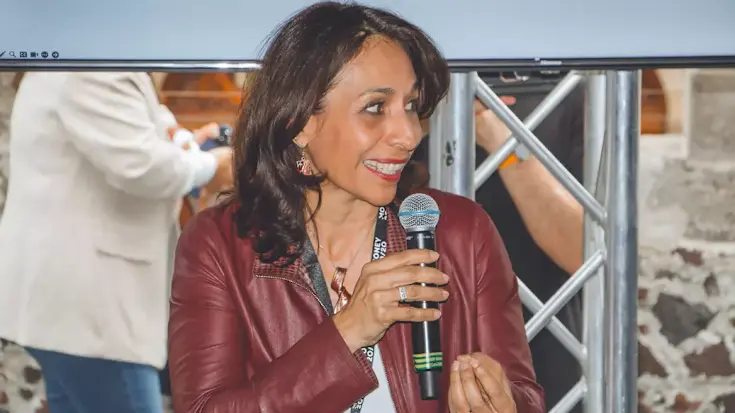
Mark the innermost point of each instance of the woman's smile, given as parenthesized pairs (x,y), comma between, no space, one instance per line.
(387,169)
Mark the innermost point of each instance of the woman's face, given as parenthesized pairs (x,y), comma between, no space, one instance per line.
(369,126)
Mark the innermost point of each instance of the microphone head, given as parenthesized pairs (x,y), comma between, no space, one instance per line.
(419,212)
(225,134)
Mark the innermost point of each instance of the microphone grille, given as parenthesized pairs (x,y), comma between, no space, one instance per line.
(419,212)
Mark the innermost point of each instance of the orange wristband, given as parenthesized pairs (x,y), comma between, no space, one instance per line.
(510,160)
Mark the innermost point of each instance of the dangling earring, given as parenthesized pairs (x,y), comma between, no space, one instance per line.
(303,166)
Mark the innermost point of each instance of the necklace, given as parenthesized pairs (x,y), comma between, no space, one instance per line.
(340,273)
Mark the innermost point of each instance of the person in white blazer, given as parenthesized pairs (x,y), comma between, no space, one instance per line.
(86,234)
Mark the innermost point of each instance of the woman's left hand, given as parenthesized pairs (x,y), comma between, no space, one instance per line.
(478,385)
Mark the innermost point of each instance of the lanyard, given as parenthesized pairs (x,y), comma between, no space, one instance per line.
(309,258)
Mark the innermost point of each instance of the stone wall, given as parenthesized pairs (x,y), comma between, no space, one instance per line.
(687,255)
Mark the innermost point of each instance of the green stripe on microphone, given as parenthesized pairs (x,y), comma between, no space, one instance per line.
(430,361)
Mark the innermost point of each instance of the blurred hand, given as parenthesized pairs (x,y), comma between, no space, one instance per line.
(208,131)
(223,178)
(490,131)
(478,384)
(172,131)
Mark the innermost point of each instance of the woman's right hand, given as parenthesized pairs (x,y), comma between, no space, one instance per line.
(375,304)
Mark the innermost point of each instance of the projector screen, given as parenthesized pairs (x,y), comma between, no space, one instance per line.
(471,33)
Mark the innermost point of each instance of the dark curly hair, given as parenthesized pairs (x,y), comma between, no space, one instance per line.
(299,67)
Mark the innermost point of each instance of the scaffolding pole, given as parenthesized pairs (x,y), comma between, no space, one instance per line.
(437,163)
(621,275)
(456,118)
(609,273)
(594,290)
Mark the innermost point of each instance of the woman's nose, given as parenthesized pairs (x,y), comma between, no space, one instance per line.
(405,131)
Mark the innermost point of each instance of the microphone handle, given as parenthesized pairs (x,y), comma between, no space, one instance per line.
(426,337)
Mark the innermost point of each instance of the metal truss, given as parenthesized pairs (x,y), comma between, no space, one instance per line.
(608,276)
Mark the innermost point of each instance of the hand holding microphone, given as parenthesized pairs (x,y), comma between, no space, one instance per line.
(376,302)
(408,277)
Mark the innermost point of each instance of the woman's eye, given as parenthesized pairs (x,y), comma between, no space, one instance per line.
(374,108)
(411,106)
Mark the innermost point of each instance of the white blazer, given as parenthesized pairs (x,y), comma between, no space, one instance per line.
(86,235)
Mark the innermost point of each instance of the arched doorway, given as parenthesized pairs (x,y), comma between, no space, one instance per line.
(653,104)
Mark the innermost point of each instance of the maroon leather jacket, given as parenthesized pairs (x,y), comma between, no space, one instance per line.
(247,337)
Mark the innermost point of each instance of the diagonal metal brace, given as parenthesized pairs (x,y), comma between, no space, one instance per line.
(541,112)
(564,294)
(557,328)
(571,399)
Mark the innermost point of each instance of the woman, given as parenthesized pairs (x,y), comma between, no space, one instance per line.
(328,123)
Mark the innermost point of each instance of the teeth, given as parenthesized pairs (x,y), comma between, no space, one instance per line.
(385,168)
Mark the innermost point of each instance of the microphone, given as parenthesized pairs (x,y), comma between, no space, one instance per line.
(224,138)
(419,215)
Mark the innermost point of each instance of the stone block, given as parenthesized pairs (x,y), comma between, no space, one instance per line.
(680,319)
(693,257)
(712,361)
(711,286)
(648,364)
(710,206)
(661,223)
(711,120)
(726,402)
(705,195)
(683,404)
(32,375)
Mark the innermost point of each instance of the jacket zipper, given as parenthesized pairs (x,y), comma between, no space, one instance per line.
(300,285)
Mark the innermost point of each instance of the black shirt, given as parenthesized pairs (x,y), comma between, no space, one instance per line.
(562,133)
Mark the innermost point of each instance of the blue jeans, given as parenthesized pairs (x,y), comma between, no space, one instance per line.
(89,385)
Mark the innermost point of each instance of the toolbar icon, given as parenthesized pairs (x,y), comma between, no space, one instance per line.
(55,55)
(44,54)
(23,55)
(34,54)
(12,54)
(2,54)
